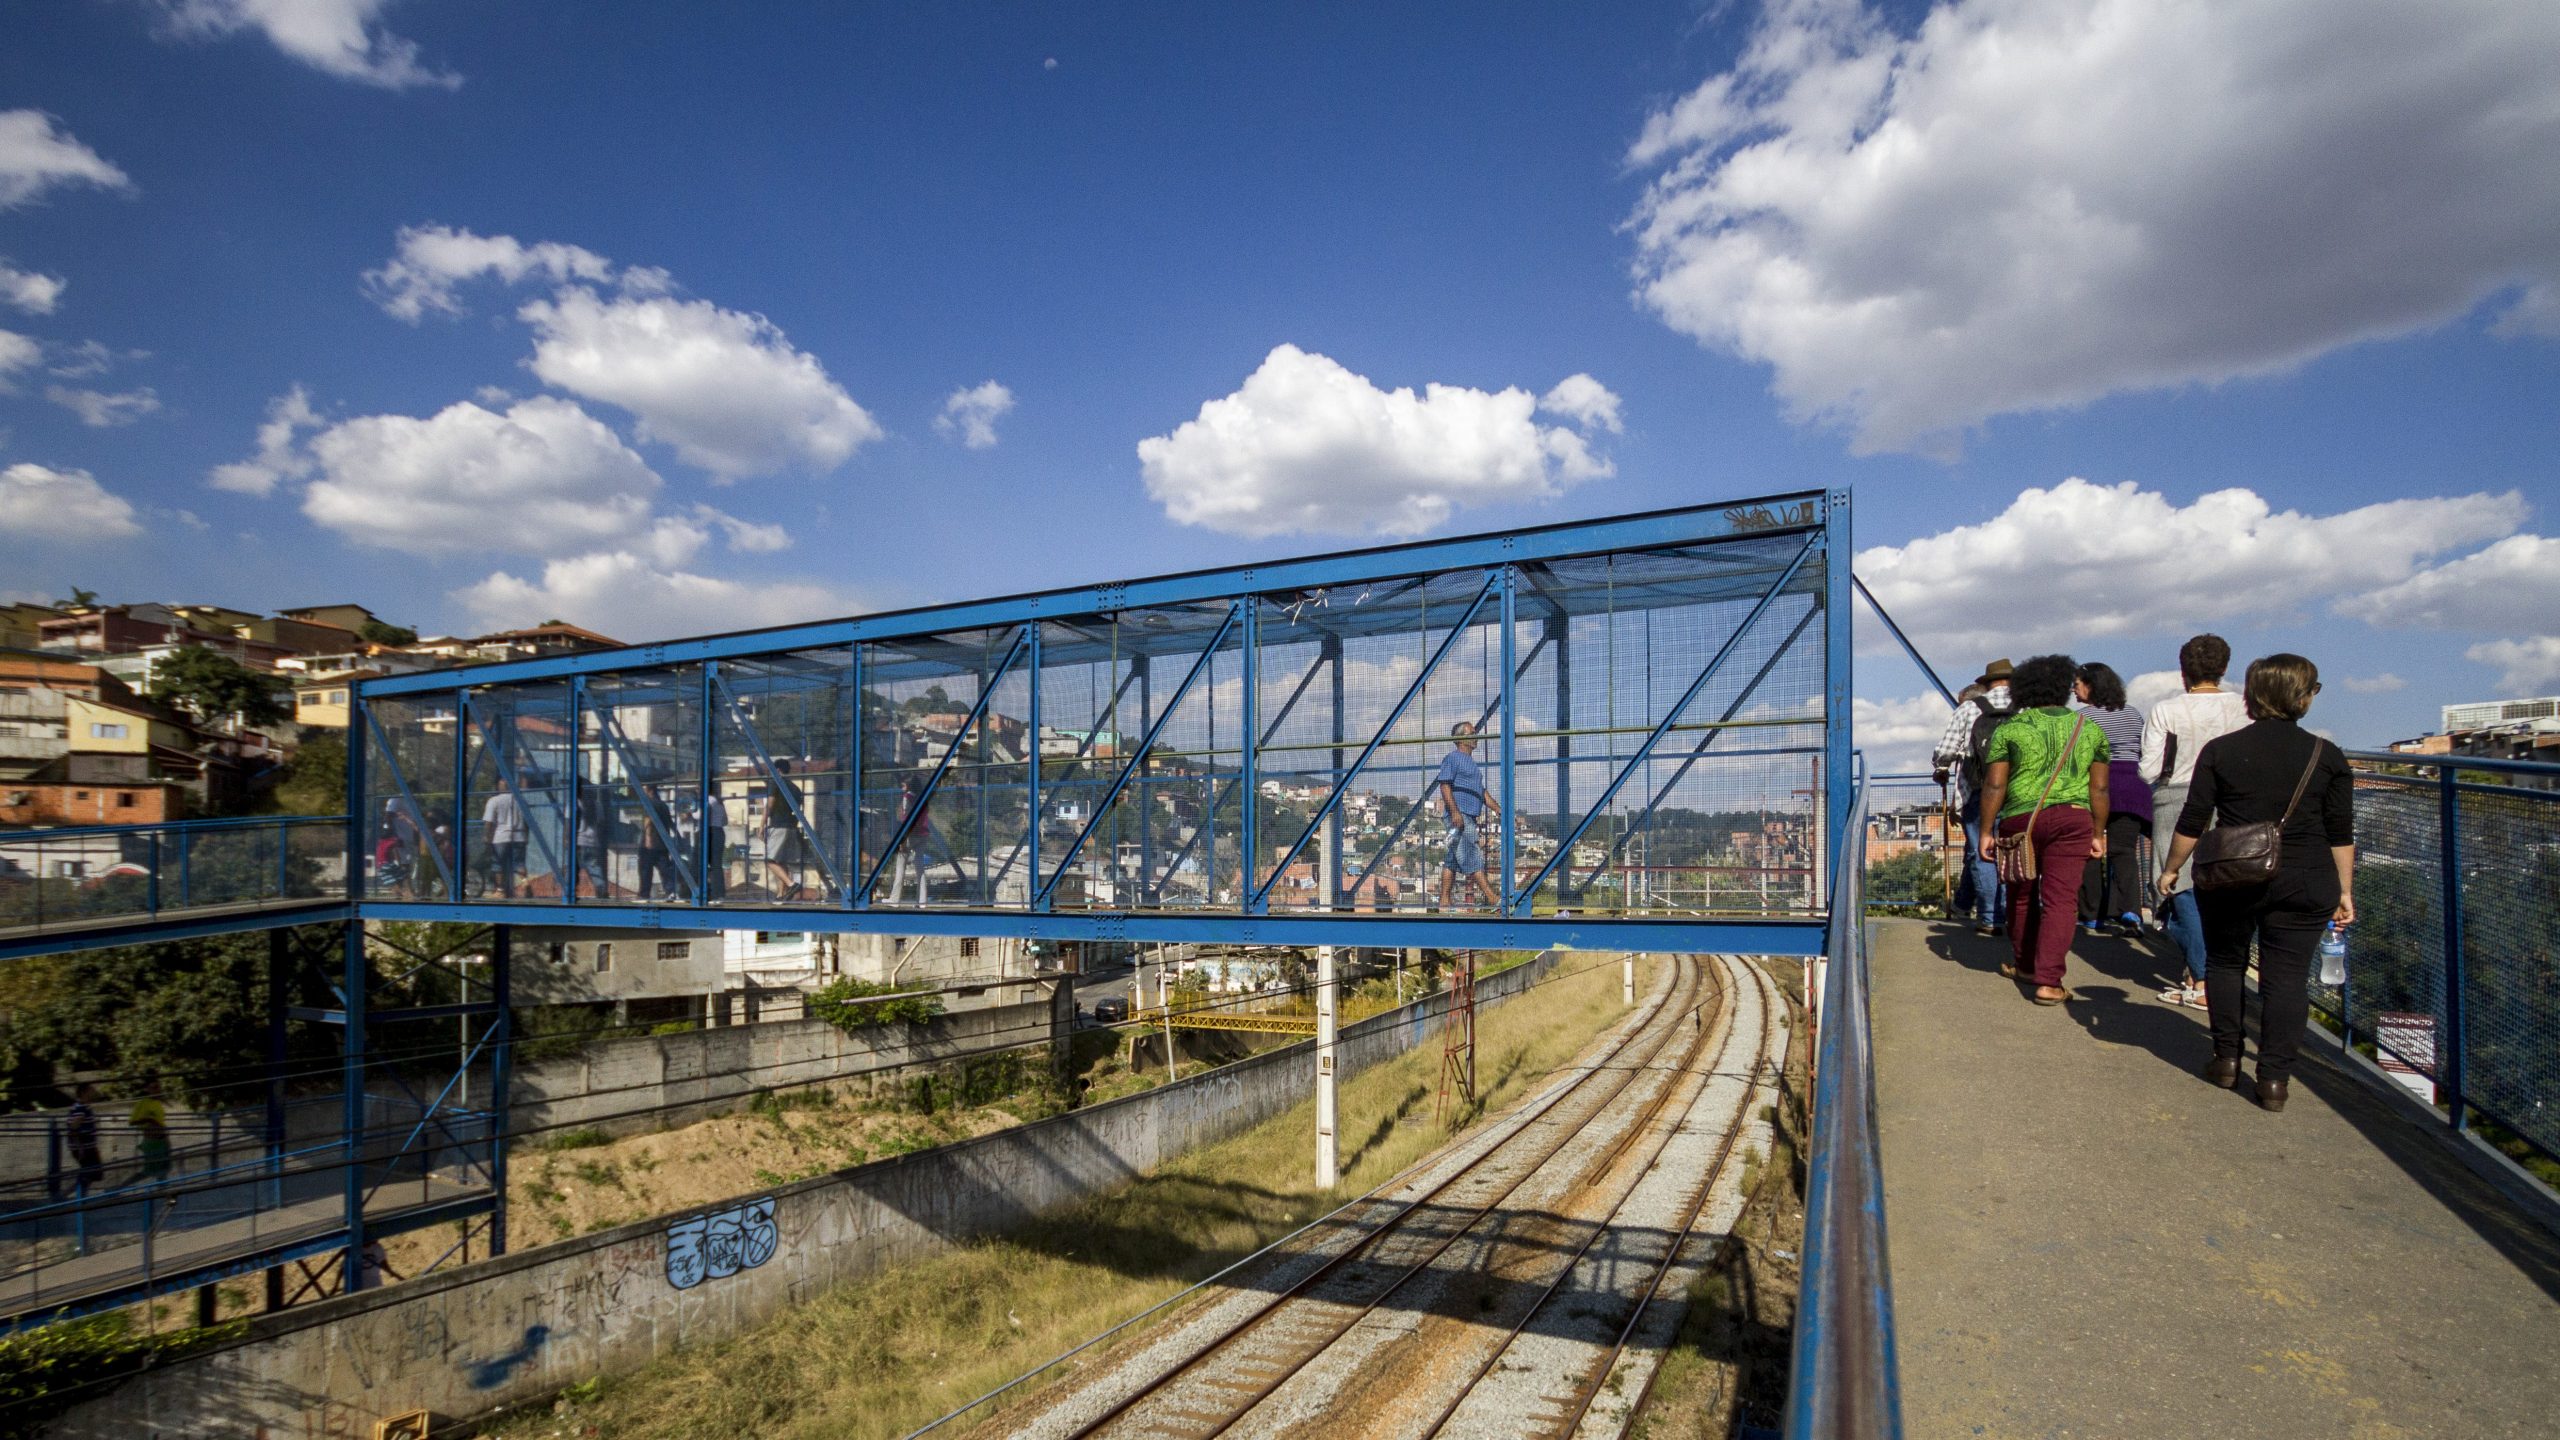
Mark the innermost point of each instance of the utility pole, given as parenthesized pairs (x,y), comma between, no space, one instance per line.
(1628,961)
(1327,1173)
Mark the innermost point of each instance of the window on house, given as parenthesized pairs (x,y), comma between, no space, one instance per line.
(675,949)
(968,947)
(100,730)
(124,799)
(79,794)
(337,697)
(604,956)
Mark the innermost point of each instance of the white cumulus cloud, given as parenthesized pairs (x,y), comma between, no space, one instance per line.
(2078,562)
(28,291)
(2488,589)
(2383,684)
(1898,734)
(432,261)
(100,409)
(38,502)
(626,595)
(1306,446)
(970,415)
(2524,667)
(543,478)
(280,456)
(37,154)
(2023,205)
(727,390)
(344,38)
(1585,402)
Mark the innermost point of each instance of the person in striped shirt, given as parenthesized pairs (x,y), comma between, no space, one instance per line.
(2111,891)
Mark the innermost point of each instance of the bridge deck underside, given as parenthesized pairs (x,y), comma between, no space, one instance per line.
(2089,1240)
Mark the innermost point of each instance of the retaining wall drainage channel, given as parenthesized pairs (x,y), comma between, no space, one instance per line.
(463,1342)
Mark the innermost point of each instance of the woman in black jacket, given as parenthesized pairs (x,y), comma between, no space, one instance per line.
(2246,777)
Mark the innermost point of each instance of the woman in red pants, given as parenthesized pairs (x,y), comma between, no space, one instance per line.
(2045,781)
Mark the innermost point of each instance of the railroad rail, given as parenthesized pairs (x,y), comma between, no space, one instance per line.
(1564,1220)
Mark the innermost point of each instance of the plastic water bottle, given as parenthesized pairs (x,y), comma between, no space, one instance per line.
(2333,957)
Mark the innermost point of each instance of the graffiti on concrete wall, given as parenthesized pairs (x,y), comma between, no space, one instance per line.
(722,1243)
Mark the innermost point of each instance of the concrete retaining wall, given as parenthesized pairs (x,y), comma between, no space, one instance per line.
(652,1082)
(521,1327)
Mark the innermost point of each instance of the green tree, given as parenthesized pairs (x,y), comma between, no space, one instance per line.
(78,599)
(383,632)
(1912,878)
(314,780)
(210,686)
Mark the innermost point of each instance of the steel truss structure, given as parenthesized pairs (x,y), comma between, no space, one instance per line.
(1203,756)
(1259,755)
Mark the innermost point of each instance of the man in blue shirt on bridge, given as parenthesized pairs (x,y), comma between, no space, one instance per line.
(1459,787)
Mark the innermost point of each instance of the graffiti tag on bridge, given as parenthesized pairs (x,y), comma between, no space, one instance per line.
(722,1243)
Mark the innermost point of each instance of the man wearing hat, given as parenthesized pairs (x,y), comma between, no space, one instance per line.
(1959,753)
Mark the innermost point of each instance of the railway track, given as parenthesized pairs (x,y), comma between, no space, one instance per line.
(1498,1288)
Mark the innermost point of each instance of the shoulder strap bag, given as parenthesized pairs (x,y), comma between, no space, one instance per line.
(2230,856)
(2015,855)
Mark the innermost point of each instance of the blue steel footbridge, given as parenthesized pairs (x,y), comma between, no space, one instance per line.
(1644,721)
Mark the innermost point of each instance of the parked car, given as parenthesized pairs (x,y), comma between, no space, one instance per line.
(1110,1012)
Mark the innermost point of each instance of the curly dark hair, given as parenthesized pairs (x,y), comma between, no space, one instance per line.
(2042,680)
(2204,659)
(2106,687)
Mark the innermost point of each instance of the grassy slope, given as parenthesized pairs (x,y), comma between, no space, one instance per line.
(882,1357)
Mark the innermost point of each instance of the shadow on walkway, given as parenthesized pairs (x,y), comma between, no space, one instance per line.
(2088,1240)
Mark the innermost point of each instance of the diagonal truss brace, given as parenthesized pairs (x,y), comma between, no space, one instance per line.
(1155,730)
(660,821)
(1386,847)
(1670,717)
(1492,582)
(951,752)
(513,774)
(1698,751)
(773,776)
(417,812)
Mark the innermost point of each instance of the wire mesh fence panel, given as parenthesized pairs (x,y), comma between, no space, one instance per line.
(943,766)
(2395,955)
(640,749)
(409,800)
(517,743)
(1670,744)
(2507,843)
(782,733)
(1089,699)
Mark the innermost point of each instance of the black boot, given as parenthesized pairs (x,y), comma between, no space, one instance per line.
(2225,1073)
(2271,1093)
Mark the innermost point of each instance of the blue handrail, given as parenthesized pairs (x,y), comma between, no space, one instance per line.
(250,822)
(1845,1384)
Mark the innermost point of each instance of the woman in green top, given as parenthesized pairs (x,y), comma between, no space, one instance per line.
(2046,778)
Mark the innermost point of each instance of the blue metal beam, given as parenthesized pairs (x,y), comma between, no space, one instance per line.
(1790,514)
(148,929)
(1460,932)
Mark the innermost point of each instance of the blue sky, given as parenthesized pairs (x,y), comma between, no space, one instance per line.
(1944,256)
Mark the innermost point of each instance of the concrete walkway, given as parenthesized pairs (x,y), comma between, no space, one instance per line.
(2089,1241)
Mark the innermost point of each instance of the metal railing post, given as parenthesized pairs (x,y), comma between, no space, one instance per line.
(2449,860)
(1249,764)
(155,872)
(1034,898)
(1512,902)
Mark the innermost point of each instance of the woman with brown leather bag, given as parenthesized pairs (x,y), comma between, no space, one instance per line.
(2278,867)
(2044,817)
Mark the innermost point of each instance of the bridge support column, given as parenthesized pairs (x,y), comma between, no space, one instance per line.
(1327,1173)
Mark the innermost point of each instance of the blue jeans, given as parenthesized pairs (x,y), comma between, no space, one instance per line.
(2185,924)
(1984,875)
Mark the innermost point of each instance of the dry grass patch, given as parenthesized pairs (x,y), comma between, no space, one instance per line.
(884,1356)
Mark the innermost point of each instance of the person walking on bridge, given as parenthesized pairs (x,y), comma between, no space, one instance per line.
(2174,734)
(1459,787)
(1959,754)
(2044,817)
(2272,771)
(2111,888)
